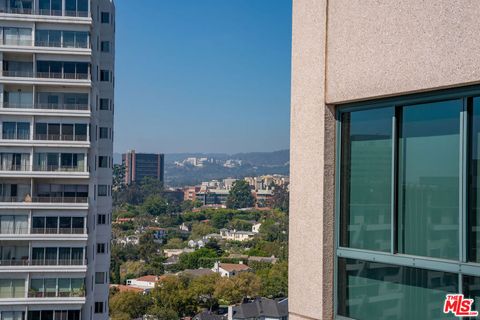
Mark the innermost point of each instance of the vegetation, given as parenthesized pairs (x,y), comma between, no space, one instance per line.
(177,295)
(240,196)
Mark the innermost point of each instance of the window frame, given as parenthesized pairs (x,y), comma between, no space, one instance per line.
(461,266)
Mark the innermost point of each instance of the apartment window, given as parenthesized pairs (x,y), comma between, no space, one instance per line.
(99,277)
(103,162)
(16,130)
(104,104)
(76,8)
(408,204)
(103,133)
(12,288)
(105,17)
(102,219)
(101,248)
(102,190)
(104,75)
(16,36)
(98,307)
(105,46)
(50,7)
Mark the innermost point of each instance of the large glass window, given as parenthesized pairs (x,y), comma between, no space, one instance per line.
(429,179)
(371,290)
(366,160)
(409,208)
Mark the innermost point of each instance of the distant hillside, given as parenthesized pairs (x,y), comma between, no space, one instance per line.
(254,164)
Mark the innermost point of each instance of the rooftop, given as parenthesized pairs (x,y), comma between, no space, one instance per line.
(233,267)
(261,307)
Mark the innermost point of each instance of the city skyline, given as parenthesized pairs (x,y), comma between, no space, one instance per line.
(216,70)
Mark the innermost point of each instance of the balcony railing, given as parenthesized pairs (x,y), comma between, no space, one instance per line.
(52,44)
(72,294)
(46,106)
(15,167)
(58,169)
(57,262)
(18,74)
(62,106)
(60,137)
(14,262)
(65,75)
(46,12)
(44,199)
(58,231)
(18,42)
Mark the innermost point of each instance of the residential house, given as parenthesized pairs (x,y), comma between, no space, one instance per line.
(145,282)
(235,235)
(176,252)
(260,309)
(256,227)
(229,269)
(208,315)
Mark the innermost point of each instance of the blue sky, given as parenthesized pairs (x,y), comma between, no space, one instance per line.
(202,75)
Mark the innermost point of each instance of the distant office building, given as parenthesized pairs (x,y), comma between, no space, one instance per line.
(141,165)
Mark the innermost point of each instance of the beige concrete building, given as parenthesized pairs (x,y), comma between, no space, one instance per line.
(381,228)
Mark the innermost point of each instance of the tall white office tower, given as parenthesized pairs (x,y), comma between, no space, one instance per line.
(56,119)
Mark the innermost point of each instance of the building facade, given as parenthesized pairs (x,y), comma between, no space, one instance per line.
(56,119)
(384,158)
(141,165)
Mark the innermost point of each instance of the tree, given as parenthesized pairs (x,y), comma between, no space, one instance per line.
(151,186)
(155,205)
(203,288)
(131,303)
(172,294)
(275,280)
(234,290)
(240,196)
(200,229)
(192,260)
(280,198)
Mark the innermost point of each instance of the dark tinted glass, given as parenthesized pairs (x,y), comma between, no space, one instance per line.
(370,290)
(428,208)
(366,179)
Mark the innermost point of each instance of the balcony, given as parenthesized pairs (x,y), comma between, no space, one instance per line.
(46,12)
(58,231)
(72,294)
(44,199)
(60,137)
(64,75)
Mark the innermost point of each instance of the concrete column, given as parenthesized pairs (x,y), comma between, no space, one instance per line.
(311,250)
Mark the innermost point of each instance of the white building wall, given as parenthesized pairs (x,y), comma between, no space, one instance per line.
(91,175)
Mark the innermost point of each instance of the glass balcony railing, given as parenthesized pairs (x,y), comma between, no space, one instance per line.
(60,137)
(45,75)
(72,294)
(44,199)
(58,231)
(46,12)
(47,106)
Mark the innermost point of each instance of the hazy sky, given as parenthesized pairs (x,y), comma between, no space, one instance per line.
(202,75)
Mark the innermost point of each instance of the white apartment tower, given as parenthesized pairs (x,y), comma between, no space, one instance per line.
(56,125)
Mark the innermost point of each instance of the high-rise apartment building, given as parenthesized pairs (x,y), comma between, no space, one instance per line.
(56,123)
(141,165)
(385,136)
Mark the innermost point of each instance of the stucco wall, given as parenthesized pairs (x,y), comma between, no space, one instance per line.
(310,250)
(380,48)
(359,50)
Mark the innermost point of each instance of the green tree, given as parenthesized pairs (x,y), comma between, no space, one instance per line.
(163,313)
(192,260)
(275,280)
(234,290)
(155,205)
(200,229)
(203,288)
(131,303)
(240,196)
(280,198)
(150,186)
(172,294)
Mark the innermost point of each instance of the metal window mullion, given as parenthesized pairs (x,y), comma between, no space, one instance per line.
(338,156)
(393,196)
(463,188)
